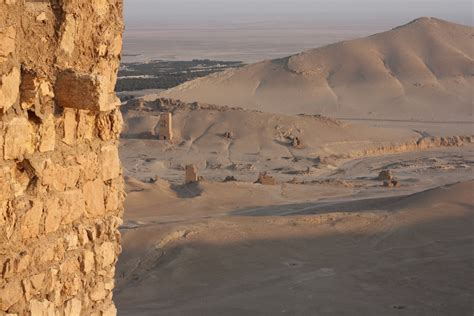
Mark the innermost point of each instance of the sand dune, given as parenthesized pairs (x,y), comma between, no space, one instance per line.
(422,70)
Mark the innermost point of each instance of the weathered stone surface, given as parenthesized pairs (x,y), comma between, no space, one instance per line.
(19,139)
(94,194)
(84,91)
(68,34)
(47,135)
(73,307)
(110,162)
(7,42)
(60,191)
(42,308)
(69,126)
(32,220)
(106,254)
(9,88)
(10,294)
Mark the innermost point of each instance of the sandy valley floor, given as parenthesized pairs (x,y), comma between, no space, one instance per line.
(341,245)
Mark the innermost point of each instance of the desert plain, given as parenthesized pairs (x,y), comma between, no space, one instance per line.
(369,148)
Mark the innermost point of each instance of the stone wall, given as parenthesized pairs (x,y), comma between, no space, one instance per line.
(61,189)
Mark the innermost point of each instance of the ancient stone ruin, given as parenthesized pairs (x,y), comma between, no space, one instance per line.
(61,189)
(385,175)
(191,174)
(165,127)
(265,179)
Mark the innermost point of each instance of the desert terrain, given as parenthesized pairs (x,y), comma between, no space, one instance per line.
(371,208)
(419,71)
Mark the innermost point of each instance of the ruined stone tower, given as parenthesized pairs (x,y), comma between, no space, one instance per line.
(165,127)
(61,190)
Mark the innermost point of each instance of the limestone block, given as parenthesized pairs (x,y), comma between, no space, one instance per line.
(110,311)
(31,220)
(9,88)
(73,307)
(10,294)
(84,91)
(112,200)
(22,262)
(106,254)
(47,134)
(19,139)
(69,126)
(89,163)
(110,125)
(72,204)
(5,189)
(42,308)
(100,6)
(68,34)
(98,292)
(94,195)
(64,208)
(70,266)
(71,241)
(37,281)
(58,177)
(87,263)
(86,125)
(7,42)
(7,220)
(110,162)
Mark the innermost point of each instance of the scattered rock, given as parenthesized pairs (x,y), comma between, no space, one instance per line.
(385,175)
(230,179)
(229,135)
(266,179)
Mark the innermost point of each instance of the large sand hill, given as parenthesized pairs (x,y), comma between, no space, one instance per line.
(422,70)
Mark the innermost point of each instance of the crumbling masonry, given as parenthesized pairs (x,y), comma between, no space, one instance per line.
(61,190)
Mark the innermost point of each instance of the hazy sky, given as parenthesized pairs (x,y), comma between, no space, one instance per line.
(251,30)
(146,13)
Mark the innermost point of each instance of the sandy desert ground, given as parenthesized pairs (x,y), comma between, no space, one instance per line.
(329,238)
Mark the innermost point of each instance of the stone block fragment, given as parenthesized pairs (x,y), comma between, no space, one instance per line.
(19,139)
(42,308)
(47,135)
(73,307)
(68,34)
(106,254)
(7,42)
(87,263)
(110,162)
(85,91)
(69,126)
(94,196)
(265,179)
(31,220)
(9,88)
(10,294)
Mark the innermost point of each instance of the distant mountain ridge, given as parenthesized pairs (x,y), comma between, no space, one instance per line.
(422,70)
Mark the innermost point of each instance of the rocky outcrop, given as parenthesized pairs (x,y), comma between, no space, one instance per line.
(61,190)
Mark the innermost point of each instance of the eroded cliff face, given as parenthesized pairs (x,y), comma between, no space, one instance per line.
(61,189)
